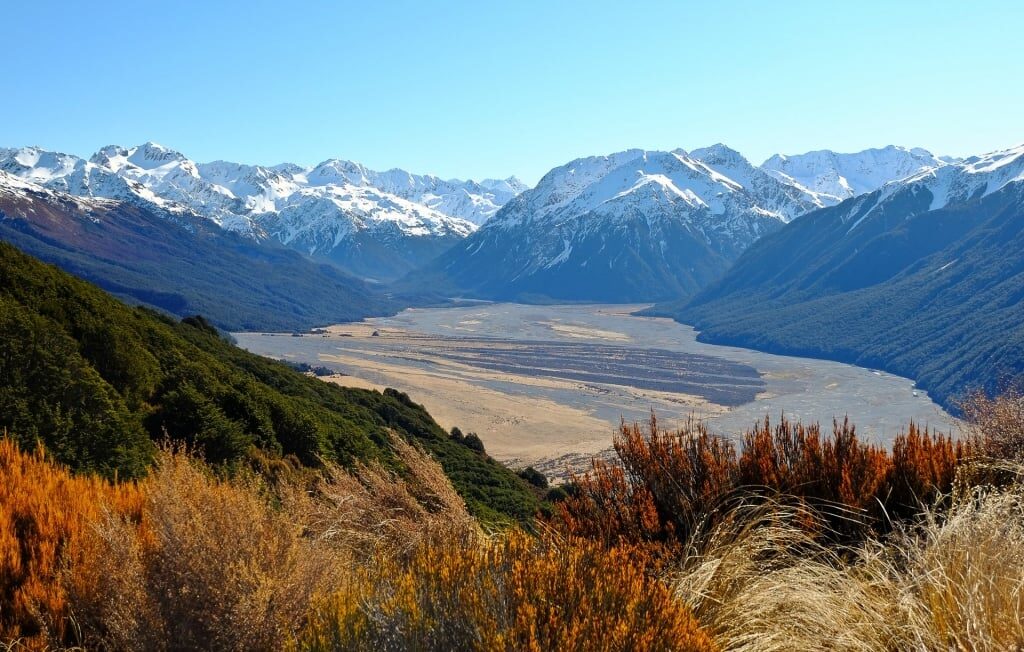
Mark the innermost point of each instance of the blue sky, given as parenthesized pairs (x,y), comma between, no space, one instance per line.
(474,89)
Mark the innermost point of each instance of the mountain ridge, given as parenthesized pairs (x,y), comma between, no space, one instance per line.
(182,263)
(373,224)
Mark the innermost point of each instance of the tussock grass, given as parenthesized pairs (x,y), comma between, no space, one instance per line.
(954,580)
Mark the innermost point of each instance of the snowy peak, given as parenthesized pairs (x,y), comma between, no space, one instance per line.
(709,182)
(510,186)
(934,188)
(833,177)
(232,194)
(634,196)
(1001,161)
(635,225)
(150,156)
(721,156)
(37,165)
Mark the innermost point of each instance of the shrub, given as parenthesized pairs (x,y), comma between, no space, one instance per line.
(188,560)
(221,569)
(670,484)
(473,442)
(513,592)
(996,425)
(45,516)
(534,477)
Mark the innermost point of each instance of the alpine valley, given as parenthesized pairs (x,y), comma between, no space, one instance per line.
(892,258)
(923,277)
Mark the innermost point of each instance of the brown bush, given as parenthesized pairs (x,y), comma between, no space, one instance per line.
(995,426)
(219,568)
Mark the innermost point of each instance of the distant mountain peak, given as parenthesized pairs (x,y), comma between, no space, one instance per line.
(834,176)
(634,225)
(719,152)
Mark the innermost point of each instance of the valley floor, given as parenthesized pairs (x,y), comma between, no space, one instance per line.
(547,385)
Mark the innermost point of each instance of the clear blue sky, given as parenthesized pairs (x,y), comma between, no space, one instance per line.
(475,89)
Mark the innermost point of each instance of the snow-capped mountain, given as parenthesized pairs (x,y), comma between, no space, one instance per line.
(469,200)
(377,224)
(833,177)
(788,200)
(635,225)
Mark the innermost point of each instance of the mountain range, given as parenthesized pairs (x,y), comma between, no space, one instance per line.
(833,177)
(923,277)
(372,224)
(646,225)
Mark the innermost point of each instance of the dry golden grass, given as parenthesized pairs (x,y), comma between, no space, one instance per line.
(757,582)
(371,512)
(235,564)
(187,560)
(963,571)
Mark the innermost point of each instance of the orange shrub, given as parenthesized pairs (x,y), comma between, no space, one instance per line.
(669,484)
(44,515)
(514,592)
(923,465)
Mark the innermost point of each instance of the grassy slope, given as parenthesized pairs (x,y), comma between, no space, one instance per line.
(96,381)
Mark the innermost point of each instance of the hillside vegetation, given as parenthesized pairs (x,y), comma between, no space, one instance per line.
(686,544)
(97,382)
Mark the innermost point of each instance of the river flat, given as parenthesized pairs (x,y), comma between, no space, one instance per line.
(548,385)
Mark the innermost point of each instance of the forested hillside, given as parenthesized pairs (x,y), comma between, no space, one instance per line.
(883,281)
(97,382)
